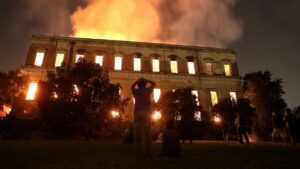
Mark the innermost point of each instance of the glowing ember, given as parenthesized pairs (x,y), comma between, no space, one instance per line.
(6,109)
(156,115)
(55,96)
(115,114)
(76,89)
(217,119)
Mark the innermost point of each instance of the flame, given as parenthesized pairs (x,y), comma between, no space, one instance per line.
(118,20)
(192,22)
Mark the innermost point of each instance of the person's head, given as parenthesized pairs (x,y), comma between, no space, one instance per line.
(142,83)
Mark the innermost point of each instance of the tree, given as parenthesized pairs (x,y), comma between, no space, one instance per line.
(12,85)
(78,101)
(265,95)
(228,108)
(180,104)
(296,119)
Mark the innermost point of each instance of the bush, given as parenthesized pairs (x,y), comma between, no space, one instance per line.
(14,128)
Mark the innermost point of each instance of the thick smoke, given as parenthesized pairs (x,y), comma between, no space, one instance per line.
(44,16)
(22,18)
(193,22)
(200,22)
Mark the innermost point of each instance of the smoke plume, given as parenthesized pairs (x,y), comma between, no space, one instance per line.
(192,22)
(43,16)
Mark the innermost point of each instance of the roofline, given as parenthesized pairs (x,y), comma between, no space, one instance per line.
(130,42)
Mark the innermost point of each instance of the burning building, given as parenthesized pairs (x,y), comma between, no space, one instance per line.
(212,73)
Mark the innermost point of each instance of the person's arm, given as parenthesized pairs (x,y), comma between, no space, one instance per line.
(133,85)
(152,83)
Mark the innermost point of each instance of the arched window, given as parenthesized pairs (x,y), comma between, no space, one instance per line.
(155,63)
(191,65)
(227,69)
(173,63)
(209,65)
(137,61)
(214,97)
(99,57)
(60,57)
(79,55)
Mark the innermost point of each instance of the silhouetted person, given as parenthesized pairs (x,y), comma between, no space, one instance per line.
(225,131)
(171,141)
(241,129)
(128,135)
(290,125)
(186,130)
(142,110)
(278,127)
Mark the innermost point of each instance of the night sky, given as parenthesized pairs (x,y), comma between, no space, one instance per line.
(270,39)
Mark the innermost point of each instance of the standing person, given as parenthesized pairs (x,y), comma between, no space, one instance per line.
(171,141)
(142,110)
(225,131)
(278,127)
(241,129)
(290,125)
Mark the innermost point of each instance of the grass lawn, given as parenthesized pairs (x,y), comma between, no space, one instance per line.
(115,155)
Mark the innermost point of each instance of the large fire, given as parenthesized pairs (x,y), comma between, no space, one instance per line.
(114,19)
(194,22)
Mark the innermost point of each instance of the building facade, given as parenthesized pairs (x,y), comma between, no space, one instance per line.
(212,73)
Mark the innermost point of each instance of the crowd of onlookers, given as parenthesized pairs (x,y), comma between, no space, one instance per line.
(284,126)
(140,132)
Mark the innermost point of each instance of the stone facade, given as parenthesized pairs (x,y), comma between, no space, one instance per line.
(203,80)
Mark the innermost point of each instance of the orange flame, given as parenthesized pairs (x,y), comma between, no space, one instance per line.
(191,22)
(118,20)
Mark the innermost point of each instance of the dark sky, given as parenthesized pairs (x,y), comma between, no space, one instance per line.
(270,41)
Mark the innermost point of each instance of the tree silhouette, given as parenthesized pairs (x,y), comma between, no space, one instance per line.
(78,100)
(265,96)
(228,108)
(181,105)
(296,119)
(12,85)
